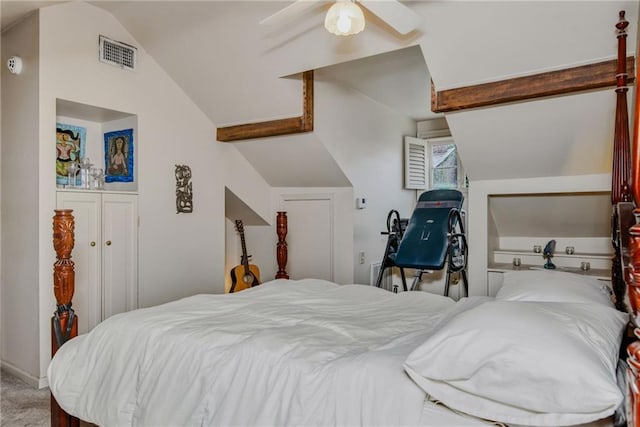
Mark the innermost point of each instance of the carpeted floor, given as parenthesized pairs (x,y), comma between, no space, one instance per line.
(22,405)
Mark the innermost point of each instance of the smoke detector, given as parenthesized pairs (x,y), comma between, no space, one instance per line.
(14,64)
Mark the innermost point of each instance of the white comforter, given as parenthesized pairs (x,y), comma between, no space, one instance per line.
(305,352)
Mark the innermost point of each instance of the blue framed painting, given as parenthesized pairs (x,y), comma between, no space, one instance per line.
(118,156)
(70,146)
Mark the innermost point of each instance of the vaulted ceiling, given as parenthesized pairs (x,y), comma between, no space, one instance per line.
(458,43)
(237,72)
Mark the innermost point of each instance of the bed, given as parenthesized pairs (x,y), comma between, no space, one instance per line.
(311,352)
(544,351)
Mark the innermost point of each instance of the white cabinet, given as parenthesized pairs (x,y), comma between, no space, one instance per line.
(105,253)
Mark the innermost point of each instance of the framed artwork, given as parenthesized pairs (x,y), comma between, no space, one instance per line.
(118,156)
(70,146)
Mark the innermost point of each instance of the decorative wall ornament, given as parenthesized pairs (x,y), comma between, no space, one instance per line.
(118,156)
(70,145)
(184,189)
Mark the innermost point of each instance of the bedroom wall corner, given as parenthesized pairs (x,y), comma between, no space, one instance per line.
(249,202)
(366,140)
(245,182)
(19,192)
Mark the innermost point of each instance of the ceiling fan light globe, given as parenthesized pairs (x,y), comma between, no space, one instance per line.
(343,23)
(344,18)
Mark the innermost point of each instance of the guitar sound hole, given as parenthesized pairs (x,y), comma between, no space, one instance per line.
(248,279)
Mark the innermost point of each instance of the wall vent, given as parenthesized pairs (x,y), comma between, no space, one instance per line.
(387,278)
(117,53)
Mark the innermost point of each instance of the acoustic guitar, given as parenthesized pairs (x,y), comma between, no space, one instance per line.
(245,275)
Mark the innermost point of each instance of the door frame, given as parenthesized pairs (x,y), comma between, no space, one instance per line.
(301,197)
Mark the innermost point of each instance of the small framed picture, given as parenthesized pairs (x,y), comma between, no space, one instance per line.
(118,156)
(70,146)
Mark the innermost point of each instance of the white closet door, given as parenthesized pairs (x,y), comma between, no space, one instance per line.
(310,236)
(86,255)
(120,253)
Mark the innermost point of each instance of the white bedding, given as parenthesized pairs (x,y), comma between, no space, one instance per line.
(305,352)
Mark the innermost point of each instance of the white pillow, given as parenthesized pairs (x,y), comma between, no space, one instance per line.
(553,286)
(531,363)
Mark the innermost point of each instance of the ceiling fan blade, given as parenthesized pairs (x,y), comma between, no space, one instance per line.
(398,16)
(289,13)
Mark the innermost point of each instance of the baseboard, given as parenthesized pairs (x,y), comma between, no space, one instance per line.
(32,380)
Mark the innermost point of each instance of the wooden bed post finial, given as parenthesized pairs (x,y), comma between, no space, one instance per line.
(622,22)
(281,250)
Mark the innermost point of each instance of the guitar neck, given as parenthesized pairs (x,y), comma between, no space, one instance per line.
(245,258)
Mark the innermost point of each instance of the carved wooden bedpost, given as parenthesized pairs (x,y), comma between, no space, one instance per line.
(633,403)
(621,178)
(633,280)
(621,172)
(64,323)
(633,275)
(633,270)
(281,250)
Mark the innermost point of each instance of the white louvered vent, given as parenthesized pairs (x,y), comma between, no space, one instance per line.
(117,53)
(415,164)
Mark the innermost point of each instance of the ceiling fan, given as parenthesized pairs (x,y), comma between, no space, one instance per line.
(346,18)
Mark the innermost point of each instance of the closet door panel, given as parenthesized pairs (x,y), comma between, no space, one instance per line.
(310,239)
(120,253)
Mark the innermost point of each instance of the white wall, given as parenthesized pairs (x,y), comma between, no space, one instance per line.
(366,140)
(20,224)
(245,183)
(181,254)
(243,180)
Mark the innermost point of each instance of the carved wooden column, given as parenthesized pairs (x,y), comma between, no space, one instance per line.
(621,173)
(281,250)
(634,270)
(64,323)
(632,397)
(633,379)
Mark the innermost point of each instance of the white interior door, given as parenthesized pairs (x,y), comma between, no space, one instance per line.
(310,236)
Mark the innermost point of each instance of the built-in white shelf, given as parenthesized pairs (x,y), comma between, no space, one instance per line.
(599,263)
(86,190)
(597,273)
